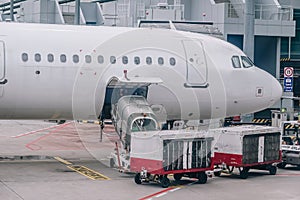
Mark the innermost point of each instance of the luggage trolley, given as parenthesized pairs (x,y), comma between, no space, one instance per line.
(131,114)
(290,143)
(245,148)
(156,154)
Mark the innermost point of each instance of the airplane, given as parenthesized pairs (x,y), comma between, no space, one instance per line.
(75,72)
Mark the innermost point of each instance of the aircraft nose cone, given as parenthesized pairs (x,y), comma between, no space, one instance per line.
(276,90)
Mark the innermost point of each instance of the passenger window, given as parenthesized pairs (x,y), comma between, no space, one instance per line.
(24,57)
(125,60)
(50,57)
(88,59)
(75,58)
(100,59)
(160,61)
(149,60)
(236,61)
(113,60)
(172,61)
(63,58)
(246,62)
(37,57)
(137,60)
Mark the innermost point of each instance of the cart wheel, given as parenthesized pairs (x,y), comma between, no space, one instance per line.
(164,182)
(178,177)
(281,165)
(273,170)
(137,179)
(111,162)
(244,173)
(218,173)
(202,178)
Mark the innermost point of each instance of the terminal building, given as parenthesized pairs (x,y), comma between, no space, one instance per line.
(275,31)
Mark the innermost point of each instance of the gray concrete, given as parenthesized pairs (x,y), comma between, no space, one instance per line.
(49,179)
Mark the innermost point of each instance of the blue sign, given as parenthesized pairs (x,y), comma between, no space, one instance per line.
(288,84)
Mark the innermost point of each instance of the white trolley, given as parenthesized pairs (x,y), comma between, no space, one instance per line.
(246,147)
(155,154)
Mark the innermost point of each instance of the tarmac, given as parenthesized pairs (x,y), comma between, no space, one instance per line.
(43,160)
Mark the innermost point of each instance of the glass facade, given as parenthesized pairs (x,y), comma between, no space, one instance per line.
(295,41)
(294,57)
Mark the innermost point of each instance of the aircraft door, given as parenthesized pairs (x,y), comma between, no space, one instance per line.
(196,66)
(2,61)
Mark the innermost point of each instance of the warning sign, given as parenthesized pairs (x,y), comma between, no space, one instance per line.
(288,72)
(288,79)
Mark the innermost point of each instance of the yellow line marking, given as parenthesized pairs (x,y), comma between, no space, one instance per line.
(63,161)
(91,174)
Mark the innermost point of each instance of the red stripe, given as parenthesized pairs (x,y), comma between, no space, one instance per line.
(36,131)
(236,160)
(157,193)
(152,166)
(40,138)
(228,158)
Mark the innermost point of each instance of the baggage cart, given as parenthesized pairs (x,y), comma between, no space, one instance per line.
(247,147)
(155,154)
(290,144)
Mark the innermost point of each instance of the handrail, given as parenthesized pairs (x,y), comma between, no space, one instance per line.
(262,11)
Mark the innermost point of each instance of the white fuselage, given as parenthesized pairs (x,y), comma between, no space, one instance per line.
(41,78)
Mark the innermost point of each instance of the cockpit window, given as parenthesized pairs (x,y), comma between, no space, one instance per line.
(246,62)
(236,61)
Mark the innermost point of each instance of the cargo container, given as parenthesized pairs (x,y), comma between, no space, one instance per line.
(247,147)
(155,154)
(290,143)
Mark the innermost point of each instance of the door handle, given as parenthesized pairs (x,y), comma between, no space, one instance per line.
(3,82)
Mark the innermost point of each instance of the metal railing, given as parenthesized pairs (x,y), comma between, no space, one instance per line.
(168,7)
(262,12)
(267,12)
(67,8)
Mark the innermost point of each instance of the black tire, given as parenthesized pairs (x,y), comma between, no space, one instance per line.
(273,170)
(111,162)
(281,165)
(178,177)
(218,173)
(137,179)
(244,174)
(164,182)
(202,178)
